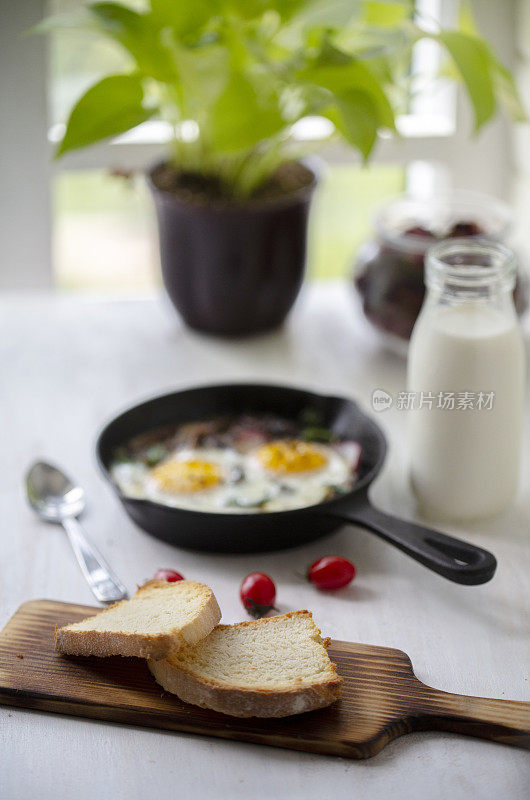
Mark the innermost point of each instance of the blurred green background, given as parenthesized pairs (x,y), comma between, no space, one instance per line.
(105,236)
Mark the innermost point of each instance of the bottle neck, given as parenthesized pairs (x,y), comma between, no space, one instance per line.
(467,271)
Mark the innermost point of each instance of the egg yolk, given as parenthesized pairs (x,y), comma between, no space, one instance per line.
(285,456)
(186,477)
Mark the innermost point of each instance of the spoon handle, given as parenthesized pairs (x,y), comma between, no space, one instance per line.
(105,584)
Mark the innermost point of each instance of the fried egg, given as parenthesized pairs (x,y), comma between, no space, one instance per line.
(186,476)
(303,471)
(279,475)
(205,479)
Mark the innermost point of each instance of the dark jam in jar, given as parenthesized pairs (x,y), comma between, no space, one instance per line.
(389,269)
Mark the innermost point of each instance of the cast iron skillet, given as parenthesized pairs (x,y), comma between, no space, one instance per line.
(245,533)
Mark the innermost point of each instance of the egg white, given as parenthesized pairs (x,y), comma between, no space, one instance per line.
(304,488)
(136,480)
(257,489)
(211,497)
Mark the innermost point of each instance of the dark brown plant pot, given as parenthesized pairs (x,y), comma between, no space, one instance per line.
(233,269)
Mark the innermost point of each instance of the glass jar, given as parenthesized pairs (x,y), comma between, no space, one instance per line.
(465,383)
(389,269)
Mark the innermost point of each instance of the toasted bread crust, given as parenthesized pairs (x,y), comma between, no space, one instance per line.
(103,644)
(153,646)
(176,678)
(244,702)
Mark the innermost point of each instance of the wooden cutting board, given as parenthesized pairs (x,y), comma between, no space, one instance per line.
(381,699)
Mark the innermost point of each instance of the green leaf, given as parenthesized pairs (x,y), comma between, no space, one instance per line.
(380,46)
(502,79)
(242,117)
(356,118)
(185,17)
(466,18)
(138,34)
(112,106)
(471,57)
(326,13)
(288,8)
(255,9)
(246,9)
(122,23)
(506,90)
(203,75)
(387,13)
(339,73)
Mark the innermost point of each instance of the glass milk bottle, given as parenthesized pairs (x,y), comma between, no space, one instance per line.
(466,370)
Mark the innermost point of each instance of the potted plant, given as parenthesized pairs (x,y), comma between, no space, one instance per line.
(233,78)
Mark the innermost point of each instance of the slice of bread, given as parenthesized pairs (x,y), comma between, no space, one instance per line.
(160,618)
(272,667)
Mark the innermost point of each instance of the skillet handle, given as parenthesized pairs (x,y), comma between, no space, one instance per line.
(452,558)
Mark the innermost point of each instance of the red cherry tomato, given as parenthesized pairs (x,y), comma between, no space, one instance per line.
(168,575)
(331,572)
(258,593)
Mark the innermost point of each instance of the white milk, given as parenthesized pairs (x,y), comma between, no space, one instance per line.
(465,463)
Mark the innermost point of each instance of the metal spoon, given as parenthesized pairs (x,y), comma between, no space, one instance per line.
(57,499)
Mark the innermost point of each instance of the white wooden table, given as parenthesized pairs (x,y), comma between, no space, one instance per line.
(67,364)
